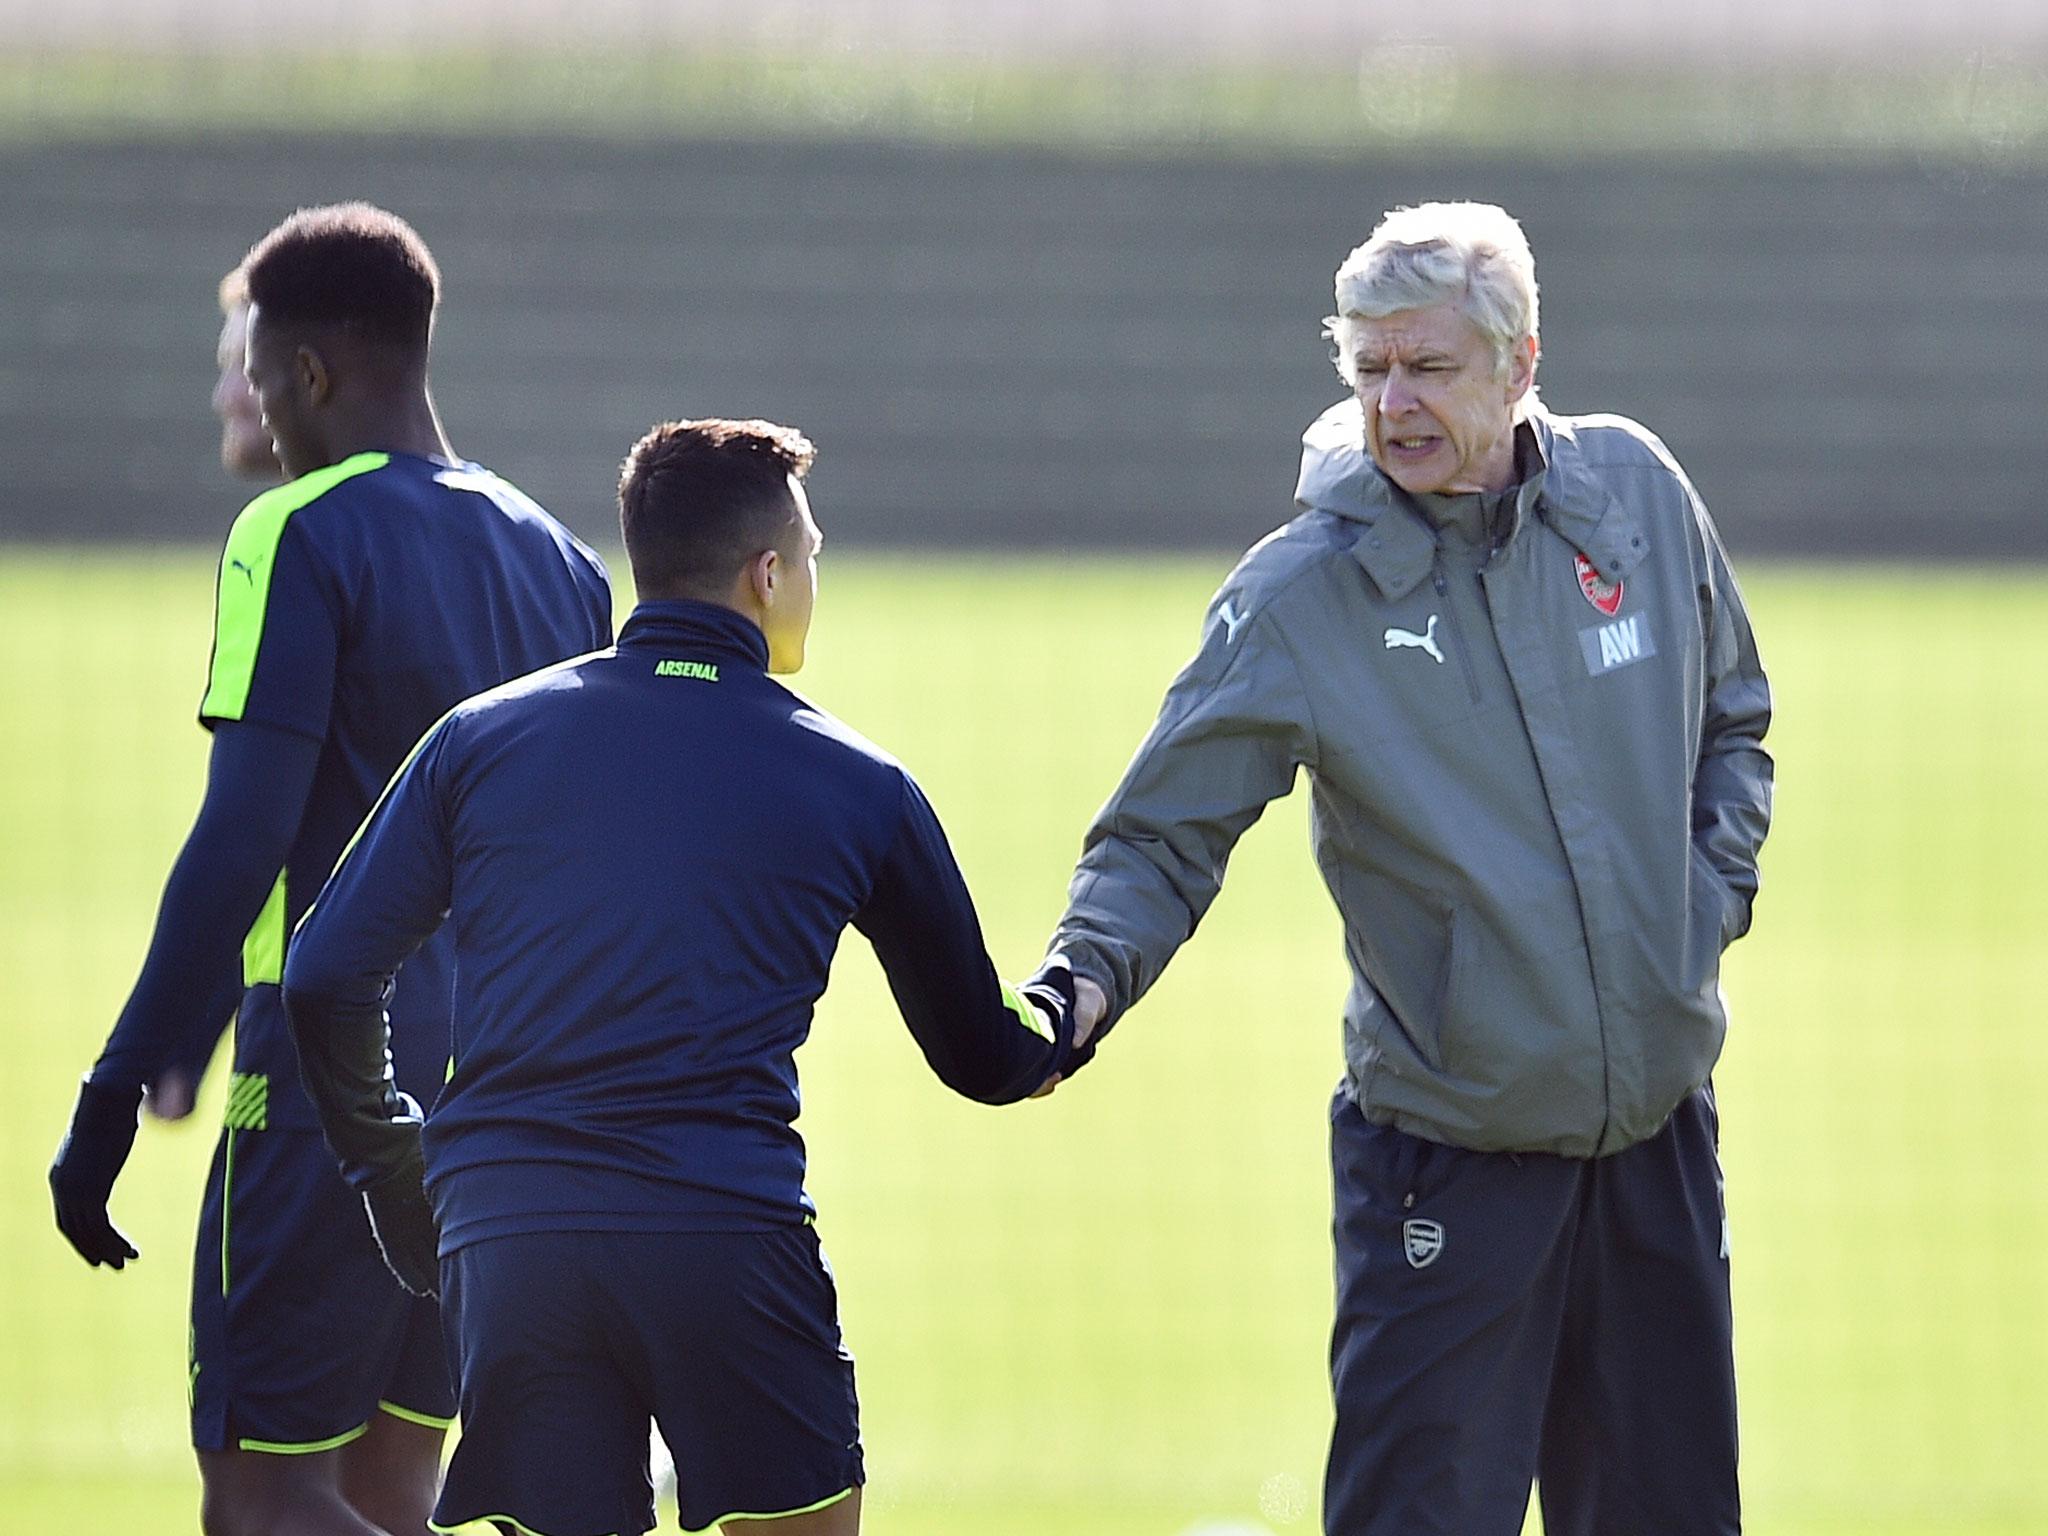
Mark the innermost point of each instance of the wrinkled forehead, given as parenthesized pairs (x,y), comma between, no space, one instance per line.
(1409,334)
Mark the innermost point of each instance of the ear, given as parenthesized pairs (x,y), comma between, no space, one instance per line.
(1522,368)
(764,571)
(313,376)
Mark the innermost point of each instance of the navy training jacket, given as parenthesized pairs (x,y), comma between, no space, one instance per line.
(647,857)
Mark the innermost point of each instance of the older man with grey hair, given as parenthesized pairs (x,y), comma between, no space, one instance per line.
(1508,649)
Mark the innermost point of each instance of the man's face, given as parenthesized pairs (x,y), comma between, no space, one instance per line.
(787,620)
(1438,417)
(278,377)
(244,443)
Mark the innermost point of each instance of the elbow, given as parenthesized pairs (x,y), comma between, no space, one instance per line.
(307,991)
(976,1082)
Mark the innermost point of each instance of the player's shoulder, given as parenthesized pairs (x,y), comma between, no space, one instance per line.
(519,510)
(261,523)
(1605,441)
(536,690)
(829,735)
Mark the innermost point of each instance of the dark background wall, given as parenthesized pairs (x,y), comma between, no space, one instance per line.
(1015,348)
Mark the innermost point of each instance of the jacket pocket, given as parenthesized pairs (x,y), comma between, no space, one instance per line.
(1710,922)
(1456,990)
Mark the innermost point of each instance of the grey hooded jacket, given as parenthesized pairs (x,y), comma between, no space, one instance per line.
(1538,777)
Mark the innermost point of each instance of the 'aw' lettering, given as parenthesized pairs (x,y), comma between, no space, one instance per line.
(1608,646)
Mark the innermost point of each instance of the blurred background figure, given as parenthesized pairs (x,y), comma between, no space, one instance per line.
(245,450)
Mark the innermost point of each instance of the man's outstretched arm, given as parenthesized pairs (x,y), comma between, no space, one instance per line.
(1230,735)
(257,781)
(986,1039)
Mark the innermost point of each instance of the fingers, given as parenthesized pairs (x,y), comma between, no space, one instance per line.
(411,1259)
(402,1221)
(97,1239)
(1045,1089)
(412,1276)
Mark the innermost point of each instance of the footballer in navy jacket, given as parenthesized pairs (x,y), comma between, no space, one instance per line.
(647,856)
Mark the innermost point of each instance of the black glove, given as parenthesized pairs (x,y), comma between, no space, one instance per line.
(89,1159)
(403,1223)
(1051,986)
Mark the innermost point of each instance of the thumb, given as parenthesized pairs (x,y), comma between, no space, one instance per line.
(1090,1004)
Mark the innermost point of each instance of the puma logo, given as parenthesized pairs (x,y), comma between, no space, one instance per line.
(248,571)
(1426,641)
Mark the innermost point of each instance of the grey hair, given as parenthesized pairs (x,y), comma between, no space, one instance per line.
(1472,255)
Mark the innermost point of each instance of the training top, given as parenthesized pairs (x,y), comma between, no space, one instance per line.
(1540,784)
(357,605)
(646,858)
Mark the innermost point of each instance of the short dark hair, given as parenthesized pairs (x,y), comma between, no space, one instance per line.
(699,499)
(352,265)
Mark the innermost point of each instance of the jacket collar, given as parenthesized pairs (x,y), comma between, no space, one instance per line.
(1397,547)
(703,629)
(1580,507)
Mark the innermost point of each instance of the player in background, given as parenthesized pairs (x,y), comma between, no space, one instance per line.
(647,858)
(386,581)
(245,447)
(245,453)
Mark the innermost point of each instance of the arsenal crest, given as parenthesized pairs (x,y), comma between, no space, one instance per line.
(1422,1241)
(1602,594)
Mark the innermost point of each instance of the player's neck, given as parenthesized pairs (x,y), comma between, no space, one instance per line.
(409,426)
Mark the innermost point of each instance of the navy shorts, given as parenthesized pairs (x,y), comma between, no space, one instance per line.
(570,1342)
(299,1334)
(1503,1318)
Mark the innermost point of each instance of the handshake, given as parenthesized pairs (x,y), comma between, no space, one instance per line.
(402,1217)
(1071,999)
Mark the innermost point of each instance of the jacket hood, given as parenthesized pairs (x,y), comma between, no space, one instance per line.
(1339,477)
(1337,474)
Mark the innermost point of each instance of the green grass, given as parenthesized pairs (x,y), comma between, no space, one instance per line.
(1104,1315)
(1976,112)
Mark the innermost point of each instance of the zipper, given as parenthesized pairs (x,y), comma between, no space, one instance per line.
(1436,580)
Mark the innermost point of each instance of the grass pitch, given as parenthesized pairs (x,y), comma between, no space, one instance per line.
(1105,1313)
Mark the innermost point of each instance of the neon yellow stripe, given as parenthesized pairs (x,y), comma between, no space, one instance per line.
(483,1525)
(263,949)
(413,1415)
(227,1206)
(306,1448)
(780,1514)
(244,584)
(1027,1015)
(248,1106)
